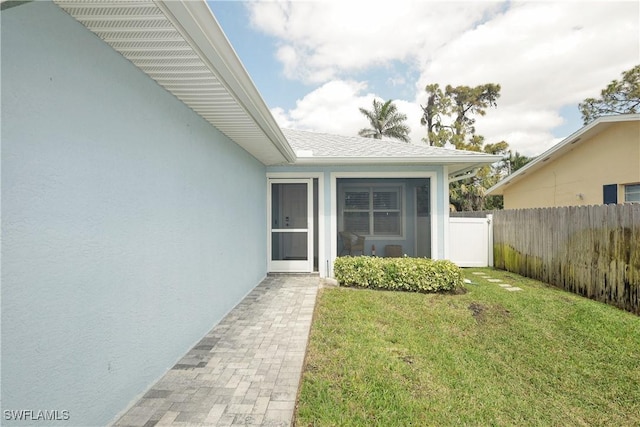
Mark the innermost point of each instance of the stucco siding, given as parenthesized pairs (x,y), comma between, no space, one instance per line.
(577,177)
(130,226)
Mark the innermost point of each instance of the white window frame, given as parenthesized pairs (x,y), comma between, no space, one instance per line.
(635,191)
(371,188)
(439,214)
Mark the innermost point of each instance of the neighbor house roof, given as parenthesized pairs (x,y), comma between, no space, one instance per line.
(181,46)
(320,148)
(561,148)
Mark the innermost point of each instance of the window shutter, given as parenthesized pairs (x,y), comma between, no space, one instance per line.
(385,200)
(610,194)
(356,200)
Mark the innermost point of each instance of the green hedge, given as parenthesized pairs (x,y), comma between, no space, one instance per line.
(402,274)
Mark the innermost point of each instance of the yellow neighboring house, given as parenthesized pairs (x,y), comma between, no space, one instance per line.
(598,164)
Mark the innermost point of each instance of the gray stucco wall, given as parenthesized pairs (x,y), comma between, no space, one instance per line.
(130,226)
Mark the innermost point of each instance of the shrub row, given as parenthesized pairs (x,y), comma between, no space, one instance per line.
(402,274)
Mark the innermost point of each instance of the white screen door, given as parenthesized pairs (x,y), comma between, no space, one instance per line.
(290,225)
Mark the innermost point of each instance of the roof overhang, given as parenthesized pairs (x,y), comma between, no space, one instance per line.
(456,164)
(564,146)
(181,46)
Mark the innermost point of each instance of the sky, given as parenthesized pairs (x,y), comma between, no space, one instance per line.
(315,63)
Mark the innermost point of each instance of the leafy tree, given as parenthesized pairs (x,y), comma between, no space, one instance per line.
(501,147)
(511,162)
(470,194)
(460,103)
(437,105)
(470,100)
(619,97)
(385,120)
(459,106)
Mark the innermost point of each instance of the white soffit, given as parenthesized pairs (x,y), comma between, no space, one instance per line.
(180,45)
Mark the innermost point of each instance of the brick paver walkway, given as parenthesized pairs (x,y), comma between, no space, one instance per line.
(245,371)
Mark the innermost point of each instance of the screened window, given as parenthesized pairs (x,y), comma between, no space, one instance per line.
(372,210)
(632,193)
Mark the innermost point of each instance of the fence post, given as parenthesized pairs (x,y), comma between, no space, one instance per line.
(490,239)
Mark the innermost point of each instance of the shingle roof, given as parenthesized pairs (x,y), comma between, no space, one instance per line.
(323,148)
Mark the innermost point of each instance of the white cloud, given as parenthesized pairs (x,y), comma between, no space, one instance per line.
(545,55)
(396,81)
(282,117)
(320,40)
(332,108)
(414,113)
(530,137)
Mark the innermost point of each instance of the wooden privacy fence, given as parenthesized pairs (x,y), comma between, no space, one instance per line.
(593,251)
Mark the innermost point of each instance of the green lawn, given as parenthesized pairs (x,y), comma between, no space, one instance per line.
(539,356)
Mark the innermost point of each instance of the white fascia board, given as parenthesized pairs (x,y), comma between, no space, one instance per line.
(468,173)
(428,161)
(197,23)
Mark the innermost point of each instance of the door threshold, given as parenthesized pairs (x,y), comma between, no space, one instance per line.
(279,274)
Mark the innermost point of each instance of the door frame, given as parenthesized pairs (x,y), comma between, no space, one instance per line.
(417,220)
(323,266)
(291,266)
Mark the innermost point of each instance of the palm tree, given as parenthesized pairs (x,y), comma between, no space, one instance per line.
(385,121)
(516,161)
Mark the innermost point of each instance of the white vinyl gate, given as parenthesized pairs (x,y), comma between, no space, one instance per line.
(471,241)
